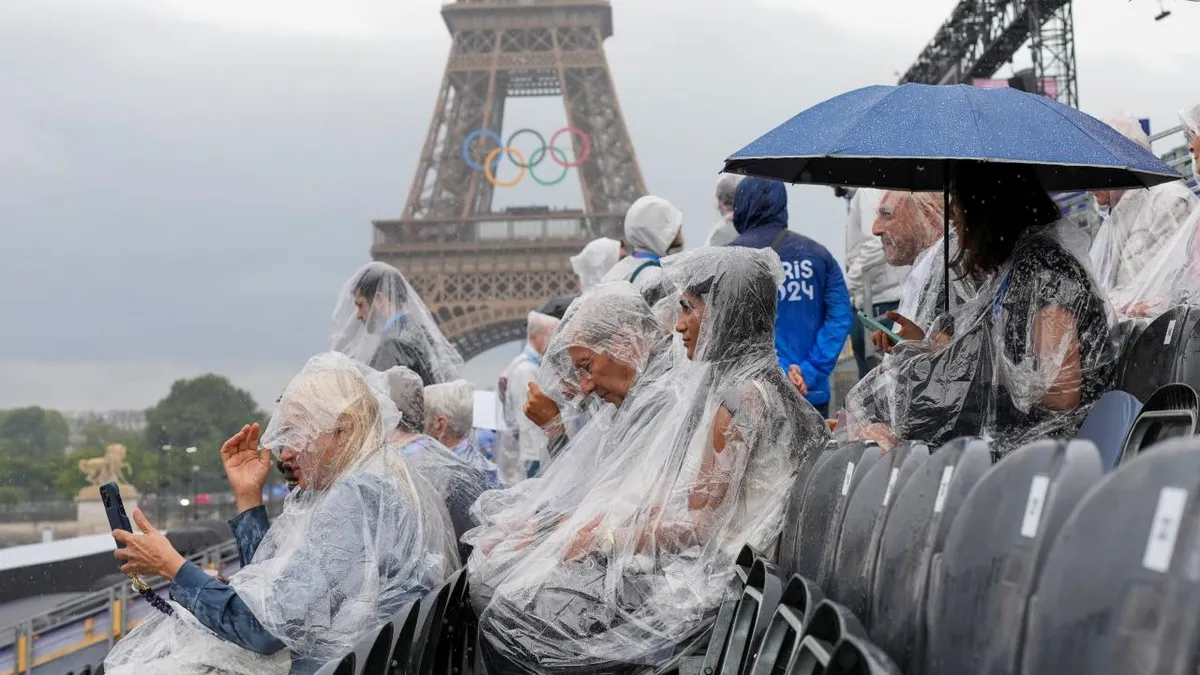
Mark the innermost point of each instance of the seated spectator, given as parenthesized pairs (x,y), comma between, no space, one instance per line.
(865,264)
(1026,359)
(1138,224)
(909,226)
(639,568)
(449,413)
(610,348)
(358,540)
(458,482)
(380,320)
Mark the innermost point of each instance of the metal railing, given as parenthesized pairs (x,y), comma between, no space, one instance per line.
(80,632)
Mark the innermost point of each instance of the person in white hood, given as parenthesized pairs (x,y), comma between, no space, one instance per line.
(723,231)
(653,230)
(594,261)
(1138,223)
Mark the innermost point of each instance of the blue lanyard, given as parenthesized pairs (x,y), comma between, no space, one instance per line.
(1003,291)
(533,357)
(647,255)
(392,321)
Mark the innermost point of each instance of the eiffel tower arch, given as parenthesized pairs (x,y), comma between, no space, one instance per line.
(481,271)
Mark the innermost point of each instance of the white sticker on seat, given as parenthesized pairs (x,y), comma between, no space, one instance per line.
(849,476)
(940,502)
(887,496)
(1164,529)
(1034,506)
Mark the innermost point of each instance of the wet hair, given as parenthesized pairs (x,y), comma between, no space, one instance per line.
(386,277)
(999,203)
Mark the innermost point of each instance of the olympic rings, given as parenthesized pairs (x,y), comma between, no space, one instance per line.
(541,142)
(557,155)
(533,163)
(490,175)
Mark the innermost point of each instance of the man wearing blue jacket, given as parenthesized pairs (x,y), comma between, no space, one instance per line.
(814,314)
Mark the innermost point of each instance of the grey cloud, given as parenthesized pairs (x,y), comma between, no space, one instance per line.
(177,198)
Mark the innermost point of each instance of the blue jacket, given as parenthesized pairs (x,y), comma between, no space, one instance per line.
(814,314)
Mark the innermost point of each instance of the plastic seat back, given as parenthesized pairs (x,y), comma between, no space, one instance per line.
(379,657)
(781,643)
(1120,590)
(1171,412)
(725,613)
(851,482)
(982,581)
(404,626)
(862,527)
(1108,424)
(858,656)
(830,625)
(1152,360)
(916,532)
(789,539)
(750,619)
(824,500)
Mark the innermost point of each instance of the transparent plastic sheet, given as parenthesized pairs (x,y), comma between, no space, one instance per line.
(637,570)
(924,292)
(454,402)
(594,261)
(1025,359)
(612,331)
(380,320)
(521,441)
(453,479)
(359,539)
(1150,239)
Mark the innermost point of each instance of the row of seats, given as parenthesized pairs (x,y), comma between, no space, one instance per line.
(947,562)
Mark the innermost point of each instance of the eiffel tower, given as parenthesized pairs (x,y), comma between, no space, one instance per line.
(479,270)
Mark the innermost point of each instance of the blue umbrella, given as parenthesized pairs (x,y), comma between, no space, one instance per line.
(908,137)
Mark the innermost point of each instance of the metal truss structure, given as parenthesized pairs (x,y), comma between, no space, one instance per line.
(481,271)
(982,35)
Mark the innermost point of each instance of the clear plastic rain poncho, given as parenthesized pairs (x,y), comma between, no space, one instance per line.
(612,324)
(636,572)
(1023,360)
(1133,237)
(380,320)
(594,261)
(456,481)
(651,227)
(360,539)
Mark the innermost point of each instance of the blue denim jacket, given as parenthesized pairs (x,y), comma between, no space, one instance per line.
(216,604)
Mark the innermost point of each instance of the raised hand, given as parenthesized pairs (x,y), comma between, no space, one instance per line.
(246,465)
(540,408)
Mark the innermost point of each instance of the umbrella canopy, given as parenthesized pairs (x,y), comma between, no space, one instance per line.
(557,306)
(908,137)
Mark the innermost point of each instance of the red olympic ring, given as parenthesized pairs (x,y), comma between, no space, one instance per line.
(583,156)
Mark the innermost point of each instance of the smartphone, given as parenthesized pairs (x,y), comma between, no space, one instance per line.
(110,494)
(874,324)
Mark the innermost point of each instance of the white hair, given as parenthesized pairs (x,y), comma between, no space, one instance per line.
(1130,128)
(540,324)
(455,401)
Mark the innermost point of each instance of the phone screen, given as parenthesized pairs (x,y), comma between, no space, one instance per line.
(874,324)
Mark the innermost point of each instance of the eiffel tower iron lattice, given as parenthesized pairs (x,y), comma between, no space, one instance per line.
(481,271)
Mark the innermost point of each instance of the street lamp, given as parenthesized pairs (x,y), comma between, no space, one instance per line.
(185,501)
(195,470)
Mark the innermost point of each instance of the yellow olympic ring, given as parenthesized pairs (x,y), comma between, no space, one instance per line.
(490,175)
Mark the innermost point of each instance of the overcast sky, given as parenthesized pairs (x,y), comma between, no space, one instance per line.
(185,184)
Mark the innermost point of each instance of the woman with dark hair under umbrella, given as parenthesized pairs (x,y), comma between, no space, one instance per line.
(1026,358)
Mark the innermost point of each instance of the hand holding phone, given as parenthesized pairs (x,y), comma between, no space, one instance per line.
(876,325)
(114,508)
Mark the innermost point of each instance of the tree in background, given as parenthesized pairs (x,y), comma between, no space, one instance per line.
(200,413)
(33,443)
